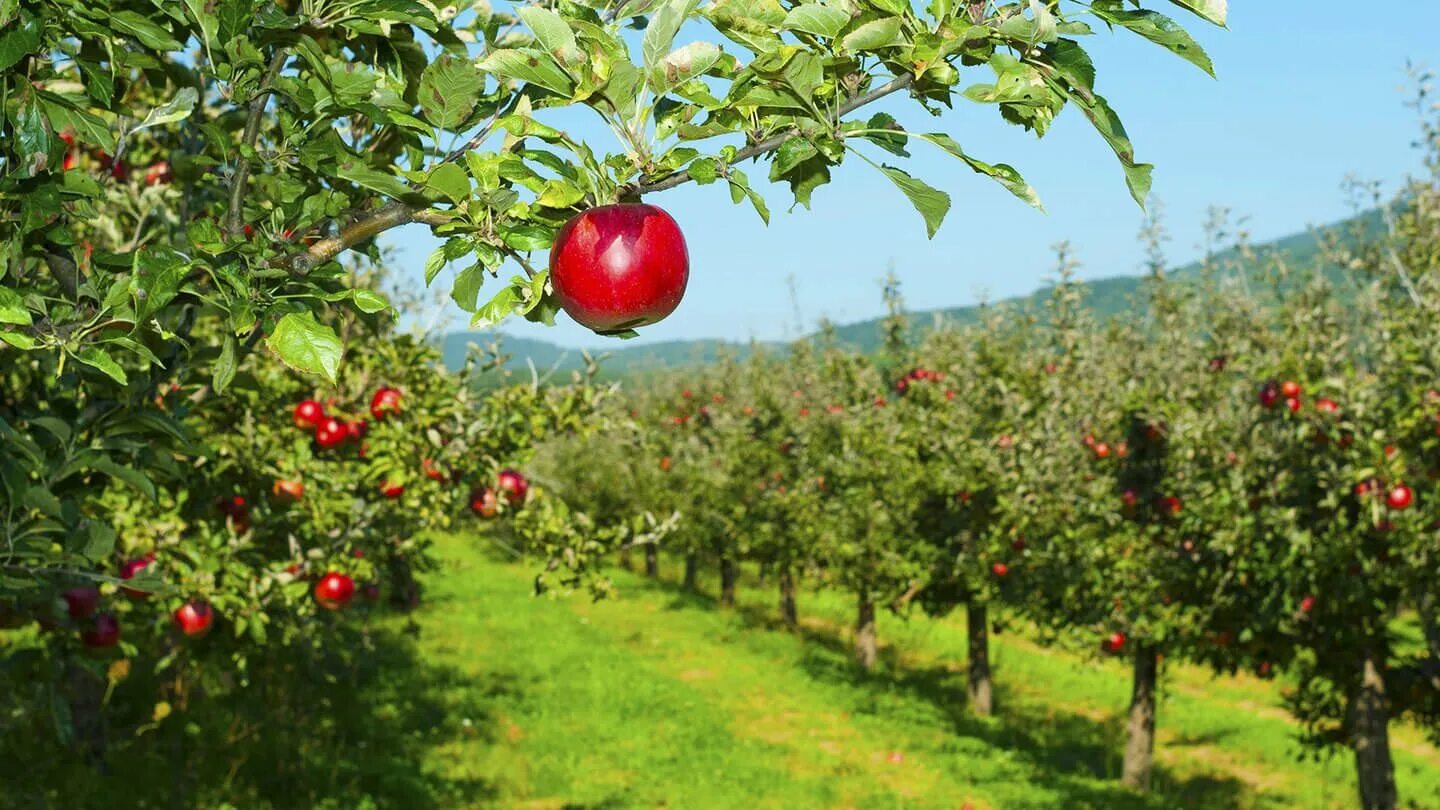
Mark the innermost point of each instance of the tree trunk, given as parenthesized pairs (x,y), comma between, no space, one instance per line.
(625,558)
(865,633)
(1140,740)
(977,625)
(1369,723)
(1430,623)
(652,561)
(87,715)
(788,613)
(728,574)
(404,589)
(692,571)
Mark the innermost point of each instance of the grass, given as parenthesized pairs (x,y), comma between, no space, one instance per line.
(659,699)
(487,697)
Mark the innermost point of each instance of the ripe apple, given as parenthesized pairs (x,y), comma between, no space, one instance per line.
(513,484)
(334,591)
(308,414)
(158,174)
(1129,498)
(1290,389)
(331,433)
(391,489)
(665,463)
(1399,497)
(103,632)
(999,569)
(385,402)
(432,470)
(286,491)
(1114,643)
(1327,405)
(1170,505)
(194,618)
(130,569)
(484,503)
(619,267)
(1307,604)
(1101,450)
(1269,395)
(81,602)
(1293,403)
(357,430)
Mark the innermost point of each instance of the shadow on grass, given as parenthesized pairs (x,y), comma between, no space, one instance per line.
(308,728)
(1069,751)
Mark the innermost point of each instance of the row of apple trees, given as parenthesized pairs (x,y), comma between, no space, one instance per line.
(1245,478)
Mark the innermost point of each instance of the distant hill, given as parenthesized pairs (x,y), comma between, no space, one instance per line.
(1106,296)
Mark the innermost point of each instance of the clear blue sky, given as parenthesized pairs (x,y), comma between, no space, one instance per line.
(1307,93)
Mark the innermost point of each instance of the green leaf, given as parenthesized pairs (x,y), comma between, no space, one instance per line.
(503,305)
(32,139)
(144,29)
(1002,173)
(740,190)
(96,358)
(369,301)
(879,33)
(466,289)
(307,345)
(450,88)
(660,33)
(158,272)
(176,109)
(1107,123)
(684,64)
(362,174)
(1213,11)
(119,472)
(19,40)
(226,365)
(817,19)
(450,180)
(12,308)
(553,33)
(529,237)
(100,542)
(531,66)
(1157,28)
(932,203)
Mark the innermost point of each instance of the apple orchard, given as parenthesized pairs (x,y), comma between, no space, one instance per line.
(220,458)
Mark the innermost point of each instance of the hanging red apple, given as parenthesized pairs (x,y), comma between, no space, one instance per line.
(619,267)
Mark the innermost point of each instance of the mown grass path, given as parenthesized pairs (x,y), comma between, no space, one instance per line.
(658,699)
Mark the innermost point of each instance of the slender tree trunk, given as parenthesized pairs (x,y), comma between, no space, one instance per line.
(788,611)
(977,625)
(729,572)
(652,561)
(87,715)
(404,589)
(692,571)
(1369,723)
(1430,623)
(865,640)
(1140,739)
(625,559)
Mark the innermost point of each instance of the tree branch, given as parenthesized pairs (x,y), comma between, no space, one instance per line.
(395,214)
(234,221)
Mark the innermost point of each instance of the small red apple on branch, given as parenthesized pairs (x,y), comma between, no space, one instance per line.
(334,591)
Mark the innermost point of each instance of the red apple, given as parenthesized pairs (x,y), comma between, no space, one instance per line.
(484,503)
(665,464)
(81,602)
(308,414)
(194,618)
(287,491)
(1101,450)
(999,569)
(385,402)
(431,470)
(1290,389)
(331,433)
(158,174)
(357,430)
(1293,403)
(130,569)
(334,591)
(1327,405)
(1307,604)
(618,267)
(1114,644)
(1129,498)
(513,484)
(1269,395)
(391,489)
(1399,497)
(103,632)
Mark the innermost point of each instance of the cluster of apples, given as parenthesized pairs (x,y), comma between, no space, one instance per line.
(917,375)
(510,484)
(331,432)
(101,630)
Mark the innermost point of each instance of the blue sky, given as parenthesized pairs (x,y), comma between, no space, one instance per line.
(1307,93)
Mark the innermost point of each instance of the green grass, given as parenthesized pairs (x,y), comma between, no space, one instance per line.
(659,699)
